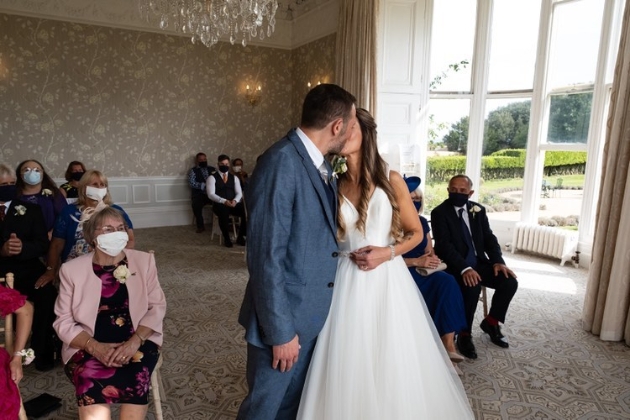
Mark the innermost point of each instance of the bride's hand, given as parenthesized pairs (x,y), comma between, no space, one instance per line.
(370,257)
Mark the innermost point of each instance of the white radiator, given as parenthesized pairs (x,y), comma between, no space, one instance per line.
(545,240)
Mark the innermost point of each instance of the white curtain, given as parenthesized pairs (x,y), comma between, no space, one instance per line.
(356,50)
(607,302)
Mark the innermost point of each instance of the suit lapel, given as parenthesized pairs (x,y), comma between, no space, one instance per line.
(316,180)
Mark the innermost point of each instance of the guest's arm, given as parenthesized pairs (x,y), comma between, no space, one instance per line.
(24,321)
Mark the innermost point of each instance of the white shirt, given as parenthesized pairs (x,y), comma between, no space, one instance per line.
(316,156)
(211,189)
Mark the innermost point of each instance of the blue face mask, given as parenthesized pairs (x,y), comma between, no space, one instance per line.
(418,204)
(32,177)
(458,199)
(7,193)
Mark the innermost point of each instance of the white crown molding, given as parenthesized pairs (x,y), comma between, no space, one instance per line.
(309,26)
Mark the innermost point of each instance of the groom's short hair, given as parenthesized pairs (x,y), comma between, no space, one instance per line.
(325,103)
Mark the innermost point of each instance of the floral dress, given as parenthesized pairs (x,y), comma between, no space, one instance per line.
(10,301)
(96,383)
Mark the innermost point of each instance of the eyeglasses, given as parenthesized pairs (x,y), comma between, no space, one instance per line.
(112,229)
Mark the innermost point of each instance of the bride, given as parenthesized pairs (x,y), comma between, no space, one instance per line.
(378,355)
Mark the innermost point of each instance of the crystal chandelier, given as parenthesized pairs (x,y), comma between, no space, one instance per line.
(209,20)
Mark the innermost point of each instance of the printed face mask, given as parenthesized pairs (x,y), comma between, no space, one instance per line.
(96,194)
(112,243)
(32,177)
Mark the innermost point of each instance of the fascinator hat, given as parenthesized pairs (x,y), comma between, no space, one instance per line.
(413,182)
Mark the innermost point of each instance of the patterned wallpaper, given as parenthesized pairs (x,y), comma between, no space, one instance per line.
(313,62)
(142,104)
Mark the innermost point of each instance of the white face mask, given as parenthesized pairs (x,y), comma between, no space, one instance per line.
(96,194)
(237,169)
(112,243)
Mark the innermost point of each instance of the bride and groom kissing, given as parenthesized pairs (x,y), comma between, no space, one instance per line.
(335,325)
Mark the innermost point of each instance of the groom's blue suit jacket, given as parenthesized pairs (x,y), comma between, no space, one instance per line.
(292,249)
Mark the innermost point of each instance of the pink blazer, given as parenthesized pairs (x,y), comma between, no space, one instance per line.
(80,294)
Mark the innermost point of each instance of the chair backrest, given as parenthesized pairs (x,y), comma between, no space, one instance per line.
(7,328)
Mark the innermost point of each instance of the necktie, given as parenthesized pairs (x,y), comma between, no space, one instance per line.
(471,259)
(323,172)
(225,177)
(2,210)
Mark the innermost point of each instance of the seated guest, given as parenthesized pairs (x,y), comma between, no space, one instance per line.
(68,239)
(465,242)
(23,242)
(439,290)
(109,317)
(73,175)
(197,177)
(35,186)
(237,170)
(224,189)
(11,301)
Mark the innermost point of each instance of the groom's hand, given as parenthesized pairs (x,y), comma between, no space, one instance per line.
(286,355)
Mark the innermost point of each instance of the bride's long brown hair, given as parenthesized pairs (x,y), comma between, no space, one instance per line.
(374,172)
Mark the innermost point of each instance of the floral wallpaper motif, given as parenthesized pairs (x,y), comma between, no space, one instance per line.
(312,63)
(139,104)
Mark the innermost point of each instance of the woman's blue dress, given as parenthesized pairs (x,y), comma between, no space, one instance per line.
(440,291)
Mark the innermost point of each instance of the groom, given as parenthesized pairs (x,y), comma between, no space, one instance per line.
(292,253)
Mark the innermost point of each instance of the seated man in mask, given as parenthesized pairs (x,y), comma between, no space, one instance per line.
(224,189)
(197,177)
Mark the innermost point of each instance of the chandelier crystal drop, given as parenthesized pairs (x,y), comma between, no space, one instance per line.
(209,20)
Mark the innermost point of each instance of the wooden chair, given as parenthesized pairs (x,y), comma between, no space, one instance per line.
(8,336)
(157,387)
(217,231)
(484,299)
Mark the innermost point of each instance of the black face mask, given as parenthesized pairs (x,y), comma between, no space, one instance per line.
(224,168)
(203,164)
(76,176)
(7,193)
(458,199)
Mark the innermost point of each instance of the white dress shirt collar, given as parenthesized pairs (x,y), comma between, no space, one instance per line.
(313,151)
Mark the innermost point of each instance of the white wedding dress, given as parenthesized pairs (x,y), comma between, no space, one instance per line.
(378,356)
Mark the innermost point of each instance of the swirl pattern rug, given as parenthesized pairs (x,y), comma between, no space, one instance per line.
(553,369)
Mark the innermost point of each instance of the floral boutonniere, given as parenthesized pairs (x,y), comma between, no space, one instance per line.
(339,166)
(122,273)
(20,210)
(474,210)
(46,192)
(28,355)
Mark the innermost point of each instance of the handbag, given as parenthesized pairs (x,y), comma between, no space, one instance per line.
(42,405)
(428,271)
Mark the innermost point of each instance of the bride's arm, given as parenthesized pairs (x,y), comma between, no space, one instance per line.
(372,256)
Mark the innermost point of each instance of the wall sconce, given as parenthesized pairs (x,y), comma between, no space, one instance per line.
(253,95)
(309,84)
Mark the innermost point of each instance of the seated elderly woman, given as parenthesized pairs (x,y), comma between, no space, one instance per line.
(67,240)
(109,317)
(439,289)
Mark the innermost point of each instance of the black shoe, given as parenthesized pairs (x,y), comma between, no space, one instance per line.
(229,244)
(466,346)
(201,229)
(494,331)
(240,241)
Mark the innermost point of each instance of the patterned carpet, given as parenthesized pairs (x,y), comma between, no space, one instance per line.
(553,369)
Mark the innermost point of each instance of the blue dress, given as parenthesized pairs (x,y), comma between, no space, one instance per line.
(440,291)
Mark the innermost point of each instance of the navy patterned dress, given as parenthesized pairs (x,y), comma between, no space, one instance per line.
(96,383)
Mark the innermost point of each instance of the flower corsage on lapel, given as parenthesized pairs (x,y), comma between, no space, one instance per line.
(122,273)
(339,166)
(20,210)
(474,210)
(46,192)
